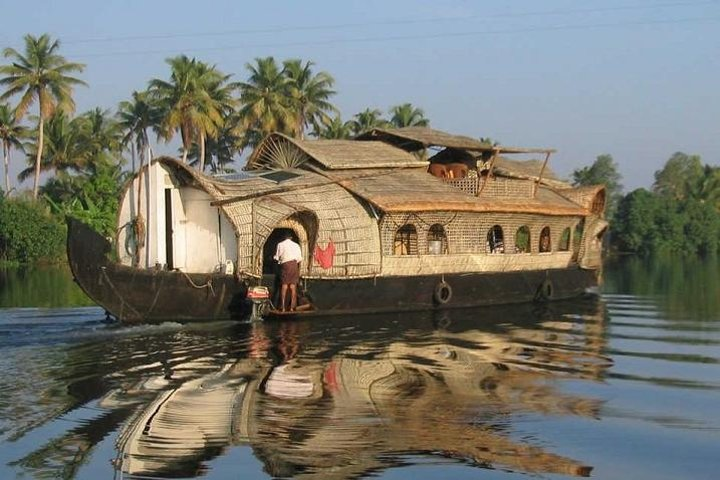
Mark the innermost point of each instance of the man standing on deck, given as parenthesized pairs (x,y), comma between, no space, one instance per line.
(289,256)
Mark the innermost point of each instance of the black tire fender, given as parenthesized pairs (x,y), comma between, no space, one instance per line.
(443,293)
(545,291)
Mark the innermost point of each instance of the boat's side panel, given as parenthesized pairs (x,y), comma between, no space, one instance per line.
(132,294)
(467,290)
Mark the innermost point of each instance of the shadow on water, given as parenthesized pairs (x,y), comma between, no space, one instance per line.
(340,398)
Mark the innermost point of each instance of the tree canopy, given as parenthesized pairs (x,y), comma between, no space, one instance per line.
(40,74)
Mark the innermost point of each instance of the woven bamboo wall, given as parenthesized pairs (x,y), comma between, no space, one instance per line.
(340,218)
(467,184)
(500,187)
(468,263)
(467,234)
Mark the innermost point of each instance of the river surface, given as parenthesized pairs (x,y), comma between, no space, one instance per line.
(624,385)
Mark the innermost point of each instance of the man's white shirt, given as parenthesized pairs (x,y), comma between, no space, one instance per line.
(288,250)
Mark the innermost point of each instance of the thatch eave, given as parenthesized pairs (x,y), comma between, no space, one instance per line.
(418,138)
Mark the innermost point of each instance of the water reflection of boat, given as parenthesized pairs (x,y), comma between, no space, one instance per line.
(353,401)
(371,216)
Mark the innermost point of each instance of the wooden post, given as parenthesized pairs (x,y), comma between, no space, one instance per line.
(496,152)
(542,170)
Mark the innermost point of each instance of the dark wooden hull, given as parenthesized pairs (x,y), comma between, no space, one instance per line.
(135,295)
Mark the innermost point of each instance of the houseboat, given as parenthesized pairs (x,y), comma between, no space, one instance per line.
(393,220)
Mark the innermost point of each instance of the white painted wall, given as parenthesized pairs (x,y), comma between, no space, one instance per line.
(210,239)
(203,238)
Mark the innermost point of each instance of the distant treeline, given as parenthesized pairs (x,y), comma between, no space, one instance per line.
(679,214)
(217,118)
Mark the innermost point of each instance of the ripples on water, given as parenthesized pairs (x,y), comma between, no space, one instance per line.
(611,387)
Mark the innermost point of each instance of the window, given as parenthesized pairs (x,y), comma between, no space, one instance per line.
(405,241)
(579,230)
(495,242)
(545,244)
(437,240)
(564,245)
(522,240)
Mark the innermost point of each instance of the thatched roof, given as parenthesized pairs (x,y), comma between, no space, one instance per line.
(418,138)
(394,190)
(330,154)
(417,191)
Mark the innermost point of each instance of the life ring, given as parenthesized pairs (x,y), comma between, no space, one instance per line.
(443,293)
(545,291)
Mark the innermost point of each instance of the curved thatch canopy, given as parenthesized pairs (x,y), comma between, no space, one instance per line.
(591,197)
(278,151)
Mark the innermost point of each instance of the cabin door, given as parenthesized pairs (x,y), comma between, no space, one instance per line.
(169,247)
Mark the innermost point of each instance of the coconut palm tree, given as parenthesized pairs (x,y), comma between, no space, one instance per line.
(406,115)
(40,74)
(367,120)
(266,105)
(190,101)
(135,117)
(335,129)
(63,145)
(222,148)
(11,136)
(101,136)
(309,95)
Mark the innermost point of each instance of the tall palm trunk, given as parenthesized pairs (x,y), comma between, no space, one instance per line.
(132,155)
(184,136)
(202,151)
(6,158)
(38,158)
(139,225)
(301,124)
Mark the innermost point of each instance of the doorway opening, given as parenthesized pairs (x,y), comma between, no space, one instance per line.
(269,265)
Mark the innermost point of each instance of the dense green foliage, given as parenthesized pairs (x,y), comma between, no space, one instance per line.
(28,232)
(91,198)
(680,215)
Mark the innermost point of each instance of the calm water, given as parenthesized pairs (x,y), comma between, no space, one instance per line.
(622,386)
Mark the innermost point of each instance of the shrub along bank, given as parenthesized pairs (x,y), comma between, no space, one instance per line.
(29,233)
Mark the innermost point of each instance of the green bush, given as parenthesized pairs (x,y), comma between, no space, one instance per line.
(28,232)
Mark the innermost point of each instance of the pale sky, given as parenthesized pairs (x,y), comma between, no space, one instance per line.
(637,79)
